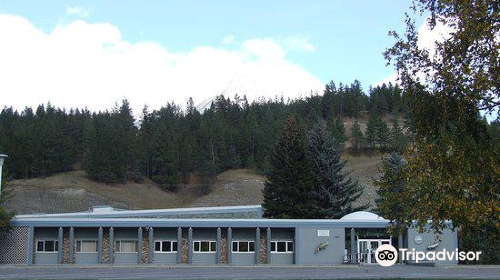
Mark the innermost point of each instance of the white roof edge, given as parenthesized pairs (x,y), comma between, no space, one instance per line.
(121,212)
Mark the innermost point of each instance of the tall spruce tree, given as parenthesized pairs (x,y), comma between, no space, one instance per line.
(5,216)
(335,191)
(289,185)
(390,187)
(358,139)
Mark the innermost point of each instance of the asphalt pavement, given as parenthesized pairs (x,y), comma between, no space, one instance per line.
(255,272)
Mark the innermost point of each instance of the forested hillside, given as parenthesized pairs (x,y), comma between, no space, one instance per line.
(173,145)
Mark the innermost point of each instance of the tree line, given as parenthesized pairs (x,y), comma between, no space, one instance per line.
(171,144)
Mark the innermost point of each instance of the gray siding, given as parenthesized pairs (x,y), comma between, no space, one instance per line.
(204,234)
(308,241)
(279,234)
(86,258)
(165,234)
(86,234)
(46,234)
(243,234)
(449,242)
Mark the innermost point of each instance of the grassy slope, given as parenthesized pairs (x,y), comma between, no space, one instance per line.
(73,191)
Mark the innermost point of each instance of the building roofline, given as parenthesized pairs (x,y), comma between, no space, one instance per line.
(212,223)
(119,213)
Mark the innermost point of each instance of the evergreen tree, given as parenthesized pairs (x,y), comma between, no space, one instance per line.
(289,185)
(390,187)
(334,191)
(371,131)
(398,139)
(358,139)
(5,216)
(383,133)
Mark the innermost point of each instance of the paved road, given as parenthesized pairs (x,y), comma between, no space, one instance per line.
(153,272)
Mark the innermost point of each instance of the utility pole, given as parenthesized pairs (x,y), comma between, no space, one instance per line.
(2,159)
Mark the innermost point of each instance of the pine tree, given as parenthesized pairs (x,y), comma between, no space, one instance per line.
(390,187)
(335,192)
(371,131)
(288,188)
(5,216)
(358,139)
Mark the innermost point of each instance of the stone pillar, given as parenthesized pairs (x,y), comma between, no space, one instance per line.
(354,246)
(99,245)
(229,245)
(139,245)
(268,242)
(151,245)
(111,245)
(257,245)
(179,245)
(31,243)
(60,245)
(219,243)
(71,245)
(190,245)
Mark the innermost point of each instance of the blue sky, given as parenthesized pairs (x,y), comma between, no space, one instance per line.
(339,40)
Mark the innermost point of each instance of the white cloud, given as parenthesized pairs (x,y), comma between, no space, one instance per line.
(427,39)
(228,39)
(90,65)
(76,11)
(299,43)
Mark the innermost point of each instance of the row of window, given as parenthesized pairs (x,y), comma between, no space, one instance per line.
(88,246)
(165,246)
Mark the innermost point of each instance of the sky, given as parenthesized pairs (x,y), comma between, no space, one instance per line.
(95,53)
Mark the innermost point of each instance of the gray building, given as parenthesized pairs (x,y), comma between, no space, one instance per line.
(234,235)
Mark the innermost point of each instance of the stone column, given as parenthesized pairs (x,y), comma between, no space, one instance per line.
(99,245)
(179,245)
(111,245)
(257,245)
(219,243)
(229,245)
(139,245)
(268,242)
(60,245)
(71,245)
(190,245)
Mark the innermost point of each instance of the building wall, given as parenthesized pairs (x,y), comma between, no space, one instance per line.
(308,240)
(167,234)
(85,234)
(204,234)
(449,242)
(279,234)
(243,234)
(45,257)
(14,246)
(126,234)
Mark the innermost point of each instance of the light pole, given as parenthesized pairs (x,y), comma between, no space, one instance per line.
(2,159)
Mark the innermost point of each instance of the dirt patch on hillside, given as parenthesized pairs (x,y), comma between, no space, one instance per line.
(73,191)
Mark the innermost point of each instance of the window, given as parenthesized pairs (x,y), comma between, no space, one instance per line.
(204,246)
(86,246)
(243,246)
(163,246)
(126,246)
(47,246)
(282,246)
